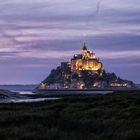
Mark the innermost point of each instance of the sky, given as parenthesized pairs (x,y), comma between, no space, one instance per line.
(37,35)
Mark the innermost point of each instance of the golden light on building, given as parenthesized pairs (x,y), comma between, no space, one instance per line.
(96,85)
(42,85)
(82,86)
(85,61)
(118,85)
(81,64)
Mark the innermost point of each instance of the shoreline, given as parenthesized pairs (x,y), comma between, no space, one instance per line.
(16,97)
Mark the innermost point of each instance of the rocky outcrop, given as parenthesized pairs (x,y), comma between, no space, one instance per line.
(83,71)
(57,79)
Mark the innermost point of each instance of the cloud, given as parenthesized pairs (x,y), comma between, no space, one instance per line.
(119,54)
(42,30)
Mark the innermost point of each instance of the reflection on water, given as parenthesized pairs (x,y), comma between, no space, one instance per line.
(26,100)
(32,100)
(22,97)
(23,92)
(76,92)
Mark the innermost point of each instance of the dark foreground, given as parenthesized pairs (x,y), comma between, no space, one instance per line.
(113,116)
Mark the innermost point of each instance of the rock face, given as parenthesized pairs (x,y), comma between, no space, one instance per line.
(83,71)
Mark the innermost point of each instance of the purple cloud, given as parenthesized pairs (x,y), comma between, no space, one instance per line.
(35,36)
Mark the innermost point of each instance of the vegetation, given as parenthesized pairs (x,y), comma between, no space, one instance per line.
(98,117)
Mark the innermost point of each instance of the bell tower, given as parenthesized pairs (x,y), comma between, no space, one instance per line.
(84,50)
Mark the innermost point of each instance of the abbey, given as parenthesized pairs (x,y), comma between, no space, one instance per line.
(86,61)
(83,71)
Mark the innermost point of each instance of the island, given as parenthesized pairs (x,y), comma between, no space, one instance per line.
(83,71)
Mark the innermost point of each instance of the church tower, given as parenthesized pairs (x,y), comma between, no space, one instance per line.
(84,50)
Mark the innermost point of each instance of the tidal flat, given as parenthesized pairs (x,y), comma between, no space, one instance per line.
(113,116)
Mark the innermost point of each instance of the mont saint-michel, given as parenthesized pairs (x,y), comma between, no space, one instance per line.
(83,71)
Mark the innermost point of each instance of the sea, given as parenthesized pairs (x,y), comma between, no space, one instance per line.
(22,89)
(138,86)
(29,89)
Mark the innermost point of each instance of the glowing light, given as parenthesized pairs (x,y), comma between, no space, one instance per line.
(43,85)
(96,85)
(86,61)
(82,86)
(118,85)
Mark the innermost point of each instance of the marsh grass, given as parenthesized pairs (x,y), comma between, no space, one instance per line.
(97,117)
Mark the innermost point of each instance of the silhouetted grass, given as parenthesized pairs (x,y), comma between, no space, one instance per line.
(97,117)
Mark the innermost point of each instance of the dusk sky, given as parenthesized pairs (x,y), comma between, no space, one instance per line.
(37,35)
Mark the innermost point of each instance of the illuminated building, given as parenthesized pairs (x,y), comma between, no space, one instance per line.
(83,71)
(86,61)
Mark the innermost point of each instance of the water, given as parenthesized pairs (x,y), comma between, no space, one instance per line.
(138,86)
(26,100)
(22,90)
(28,89)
